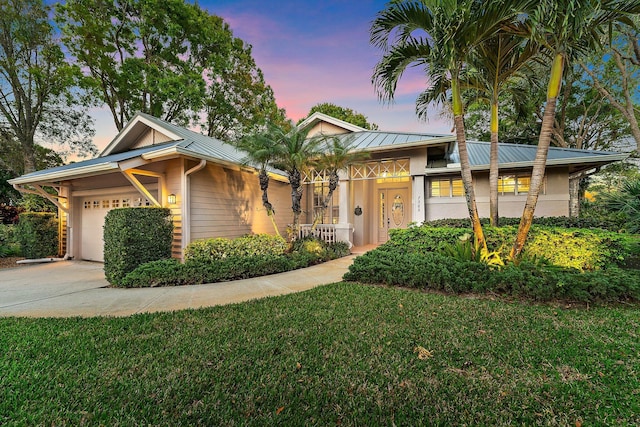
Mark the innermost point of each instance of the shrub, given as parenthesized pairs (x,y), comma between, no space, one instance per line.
(37,234)
(604,222)
(233,261)
(392,266)
(9,245)
(9,214)
(249,245)
(585,249)
(134,236)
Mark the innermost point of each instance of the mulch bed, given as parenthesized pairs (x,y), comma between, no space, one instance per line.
(10,262)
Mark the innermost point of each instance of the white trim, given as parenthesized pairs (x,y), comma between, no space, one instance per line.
(321,117)
(138,118)
(66,174)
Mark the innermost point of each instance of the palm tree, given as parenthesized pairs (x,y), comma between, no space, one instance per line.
(261,149)
(567,29)
(337,154)
(294,155)
(497,61)
(440,36)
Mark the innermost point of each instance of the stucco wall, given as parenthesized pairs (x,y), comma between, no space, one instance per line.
(554,201)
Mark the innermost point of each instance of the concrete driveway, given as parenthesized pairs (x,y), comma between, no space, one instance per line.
(78,288)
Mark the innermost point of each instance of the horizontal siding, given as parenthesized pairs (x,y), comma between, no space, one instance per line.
(226,203)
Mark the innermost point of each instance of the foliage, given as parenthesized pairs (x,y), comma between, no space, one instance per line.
(9,245)
(38,234)
(250,245)
(464,250)
(585,221)
(170,59)
(217,260)
(37,83)
(9,214)
(134,236)
(341,113)
(392,265)
(582,249)
(626,201)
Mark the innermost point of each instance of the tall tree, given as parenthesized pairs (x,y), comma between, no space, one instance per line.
(567,29)
(294,155)
(438,35)
(168,58)
(36,82)
(342,113)
(262,148)
(495,62)
(616,74)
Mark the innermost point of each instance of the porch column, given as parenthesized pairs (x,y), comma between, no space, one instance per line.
(418,214)
(344,230)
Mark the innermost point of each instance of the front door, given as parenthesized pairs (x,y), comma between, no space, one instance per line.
(393,211)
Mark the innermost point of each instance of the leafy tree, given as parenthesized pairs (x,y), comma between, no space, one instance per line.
(627,202)
(345,114)
(36,84)
(439,36)
(170,59)
(567,29)
(616,74)
(336,154)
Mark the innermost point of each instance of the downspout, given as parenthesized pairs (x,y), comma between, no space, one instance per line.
(186,212)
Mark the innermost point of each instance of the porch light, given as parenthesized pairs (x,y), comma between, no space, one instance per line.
(171,199)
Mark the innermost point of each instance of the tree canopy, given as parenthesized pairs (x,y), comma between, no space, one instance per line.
(170,59)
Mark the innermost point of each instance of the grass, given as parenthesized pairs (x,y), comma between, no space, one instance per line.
(340,354)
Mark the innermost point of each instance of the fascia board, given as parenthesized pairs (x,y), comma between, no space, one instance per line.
(424,143)
(66,174)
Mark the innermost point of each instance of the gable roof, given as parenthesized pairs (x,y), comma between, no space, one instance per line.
(373,140)
(186,143)
(318,117)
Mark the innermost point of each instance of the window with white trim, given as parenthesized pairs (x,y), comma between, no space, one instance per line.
(446,187)
(332,213)
(514,185)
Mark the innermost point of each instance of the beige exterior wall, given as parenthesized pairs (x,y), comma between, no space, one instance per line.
(227,203)
(554,201)
(150,137)
(327,129)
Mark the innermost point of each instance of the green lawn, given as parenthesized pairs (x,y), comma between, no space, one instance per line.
(340,354)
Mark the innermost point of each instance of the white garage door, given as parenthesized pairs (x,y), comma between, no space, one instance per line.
(94,209)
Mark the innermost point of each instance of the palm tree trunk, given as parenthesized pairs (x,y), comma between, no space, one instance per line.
(295,180)
(334,179)
(493,165)
(264,186)
(540,161)
(467,181)
(465,165)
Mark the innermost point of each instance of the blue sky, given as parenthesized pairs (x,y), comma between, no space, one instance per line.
(312,52)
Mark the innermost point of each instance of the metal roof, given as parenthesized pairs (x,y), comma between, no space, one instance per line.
(373,140)
(518,155)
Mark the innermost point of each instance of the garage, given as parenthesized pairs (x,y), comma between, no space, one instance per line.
(94,210)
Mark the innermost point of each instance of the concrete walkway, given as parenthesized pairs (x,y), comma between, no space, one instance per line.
(78,288)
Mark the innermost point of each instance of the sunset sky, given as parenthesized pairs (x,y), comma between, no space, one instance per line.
(313,52)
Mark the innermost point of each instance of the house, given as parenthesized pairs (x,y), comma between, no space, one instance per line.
(408,178)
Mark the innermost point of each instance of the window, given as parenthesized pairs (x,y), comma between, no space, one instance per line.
(446,187)
(105,204)
(115,203)
(125,203)
(87,204)
(514,184)
(332,213)
(96,204)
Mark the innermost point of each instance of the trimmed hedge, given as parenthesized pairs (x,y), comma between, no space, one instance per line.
(134,236)
(9,245)
(605,223)
(37,233)
(584,249)
(245,246)
(391,265)
(201,268)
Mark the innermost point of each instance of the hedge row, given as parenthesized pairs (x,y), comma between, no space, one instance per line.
(245,246)
(590,222)
(198,270)
(392,265)
(37,234)
(584,249)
